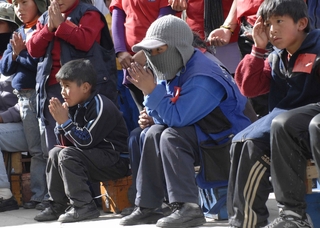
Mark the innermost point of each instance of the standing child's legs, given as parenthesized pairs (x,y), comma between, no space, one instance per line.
(27,102)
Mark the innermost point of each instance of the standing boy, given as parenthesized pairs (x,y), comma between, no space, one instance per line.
(291,77)
(70,29)
(16,61)
(92,134)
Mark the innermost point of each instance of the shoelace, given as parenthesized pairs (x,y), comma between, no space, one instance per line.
(175,206)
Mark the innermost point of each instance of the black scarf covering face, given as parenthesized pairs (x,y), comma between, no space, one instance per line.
(4,40)
(213,15)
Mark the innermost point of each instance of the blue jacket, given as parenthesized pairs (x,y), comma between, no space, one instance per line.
(102,56)
(24,69)
(209,99)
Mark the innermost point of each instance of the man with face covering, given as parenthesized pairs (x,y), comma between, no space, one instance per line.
(193,101)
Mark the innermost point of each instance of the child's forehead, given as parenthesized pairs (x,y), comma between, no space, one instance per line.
(277,17)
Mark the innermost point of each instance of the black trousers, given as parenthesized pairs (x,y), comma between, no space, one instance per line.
(69,170)
(291,134)
(167,162)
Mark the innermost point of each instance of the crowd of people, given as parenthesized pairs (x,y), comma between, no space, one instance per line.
(231,86)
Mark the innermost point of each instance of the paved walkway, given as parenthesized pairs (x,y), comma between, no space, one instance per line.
(23,218)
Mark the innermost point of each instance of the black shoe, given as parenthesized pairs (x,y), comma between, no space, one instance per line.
(43,205)
(184,215)
(30,205)
(8,204)
(142,216)
(75,214)
(51,213)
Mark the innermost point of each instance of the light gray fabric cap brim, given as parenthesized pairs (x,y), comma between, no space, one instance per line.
(147,44)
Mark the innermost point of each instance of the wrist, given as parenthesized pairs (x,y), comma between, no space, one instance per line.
(228,27)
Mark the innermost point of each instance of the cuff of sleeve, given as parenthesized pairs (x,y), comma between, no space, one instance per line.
(65,124)
(258,52)
(64,29)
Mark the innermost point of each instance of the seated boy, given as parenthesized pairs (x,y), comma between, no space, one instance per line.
(291,76)
(92,134)
(195,103)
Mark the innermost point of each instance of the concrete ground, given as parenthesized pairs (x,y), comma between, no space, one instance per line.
(23,218)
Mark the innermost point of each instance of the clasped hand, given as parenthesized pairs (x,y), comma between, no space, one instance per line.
(17,43)
(58,111)
(55,16)
(141,77)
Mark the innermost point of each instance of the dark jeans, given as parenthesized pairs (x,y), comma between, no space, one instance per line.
(69,170)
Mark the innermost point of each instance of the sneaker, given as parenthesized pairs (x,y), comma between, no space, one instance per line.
(291,219)
(142,216)
(8,204)
(75,214)
(184,215)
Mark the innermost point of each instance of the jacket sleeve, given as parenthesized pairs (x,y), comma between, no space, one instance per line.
(39,41)
(101,120)
(190,105)
(82,36)
(253,74)
(9,66)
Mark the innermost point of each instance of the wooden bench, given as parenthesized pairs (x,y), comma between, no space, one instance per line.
(115,194)
(17,167)
(311,174)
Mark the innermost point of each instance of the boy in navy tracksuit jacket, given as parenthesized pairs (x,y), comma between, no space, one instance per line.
(92,133)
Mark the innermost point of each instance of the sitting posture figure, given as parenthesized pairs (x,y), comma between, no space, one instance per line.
(92,134)
(291,76)
(195,105)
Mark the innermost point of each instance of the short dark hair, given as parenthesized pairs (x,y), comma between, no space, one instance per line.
(296,9)
(79,71)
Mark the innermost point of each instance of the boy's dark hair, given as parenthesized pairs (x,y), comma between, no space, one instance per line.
(79,71)
(199,43)
(296,9)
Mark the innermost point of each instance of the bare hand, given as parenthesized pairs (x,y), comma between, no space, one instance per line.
(58,111)
(178,5)
(259,35)
(219,37)
(55,15)
(144,119)
(125,59)
(141,77)
(17,44)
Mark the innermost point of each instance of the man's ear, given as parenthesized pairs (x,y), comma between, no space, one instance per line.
(303,23)
(86,87)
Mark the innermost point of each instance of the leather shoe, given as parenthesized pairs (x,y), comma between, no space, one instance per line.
(30,205)
(75,214)
(142,216)
(51,213)
(43,205)
(184,215)
(8,204)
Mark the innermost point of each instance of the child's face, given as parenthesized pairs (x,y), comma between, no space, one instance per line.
(4,27)
(74,94)
(64,5)
(26,10)
(284,33)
